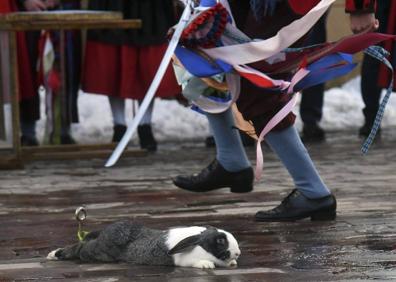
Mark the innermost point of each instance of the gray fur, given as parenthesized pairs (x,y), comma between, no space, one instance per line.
(121,242)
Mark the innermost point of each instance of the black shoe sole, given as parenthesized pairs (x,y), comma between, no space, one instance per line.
(233,188)
(318,215)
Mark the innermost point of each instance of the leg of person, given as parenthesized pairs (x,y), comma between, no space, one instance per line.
(231,168)
(28,130)
(118,111)
(371,93)
(145,132)
(29,114)
(66,137)
(311,113)
(209,141)
(312,98)
(73,56)
(311,198)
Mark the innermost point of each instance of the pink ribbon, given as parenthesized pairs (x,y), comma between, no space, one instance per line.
(277,119)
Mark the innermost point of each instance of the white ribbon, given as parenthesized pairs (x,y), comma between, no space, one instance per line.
(251,52)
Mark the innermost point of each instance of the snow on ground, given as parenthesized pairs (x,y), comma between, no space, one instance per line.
(172,121)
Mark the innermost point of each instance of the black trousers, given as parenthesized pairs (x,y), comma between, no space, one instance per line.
(312,98)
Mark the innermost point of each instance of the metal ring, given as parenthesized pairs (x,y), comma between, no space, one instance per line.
(81,214)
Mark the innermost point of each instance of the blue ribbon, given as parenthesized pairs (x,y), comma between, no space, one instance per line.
(326,69)
(208,3)
(199,66)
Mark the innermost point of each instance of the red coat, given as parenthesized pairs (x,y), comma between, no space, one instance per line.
(6,6)
(27,85)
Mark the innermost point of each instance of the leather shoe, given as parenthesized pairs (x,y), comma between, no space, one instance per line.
(296,206)
(313,133)
(118,132)
(67,139)
(215,177)
(146,138)
(365,130)
(28,141)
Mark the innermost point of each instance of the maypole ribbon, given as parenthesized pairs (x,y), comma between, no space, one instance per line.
(154,85)
(380,54)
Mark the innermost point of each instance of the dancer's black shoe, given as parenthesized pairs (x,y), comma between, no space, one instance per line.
(365,130)
(29,141)
(296,206)
(67,139)
(313,133)
(146,138)
(118,131)
(215,177)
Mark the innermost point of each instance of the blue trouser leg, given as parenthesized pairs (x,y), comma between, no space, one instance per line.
(294,156)
(230,151)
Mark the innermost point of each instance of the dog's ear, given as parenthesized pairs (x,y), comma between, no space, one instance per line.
(186,244)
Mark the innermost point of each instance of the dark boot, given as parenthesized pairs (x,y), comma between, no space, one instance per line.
(118,132)
(29,141)
(296,206)
(67,139)
(146,138)
(210,142)
(313,133)
(365,130)
(215,177)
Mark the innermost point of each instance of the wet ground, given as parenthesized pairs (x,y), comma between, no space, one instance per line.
(37,206)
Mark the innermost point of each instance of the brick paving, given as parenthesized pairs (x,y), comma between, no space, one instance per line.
(38,202)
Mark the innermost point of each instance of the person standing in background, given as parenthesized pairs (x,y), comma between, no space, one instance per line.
(30,100)
(375,76)
(311,106)
(121,64)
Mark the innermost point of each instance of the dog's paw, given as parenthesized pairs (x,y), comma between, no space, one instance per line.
(52,255)
(204,264)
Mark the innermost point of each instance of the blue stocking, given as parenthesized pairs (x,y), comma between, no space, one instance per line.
(294,156)
(230,151)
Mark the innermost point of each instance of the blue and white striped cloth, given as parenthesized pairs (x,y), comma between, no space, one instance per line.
(380,54)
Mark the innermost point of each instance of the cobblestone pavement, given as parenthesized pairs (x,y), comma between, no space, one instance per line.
(37,206)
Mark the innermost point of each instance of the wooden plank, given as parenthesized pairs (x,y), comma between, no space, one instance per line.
(9,161)
(57,25)
(68,148)
(64,16)
(74,152)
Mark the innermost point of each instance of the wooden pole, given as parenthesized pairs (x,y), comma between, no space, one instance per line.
(2,114)
(14,87)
